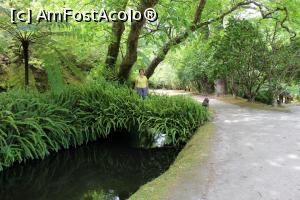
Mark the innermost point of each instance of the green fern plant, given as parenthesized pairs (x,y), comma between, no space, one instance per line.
(33,125)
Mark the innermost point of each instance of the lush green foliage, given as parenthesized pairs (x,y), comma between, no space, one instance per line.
(195,67)
(82,46)
(294,90)
(266,97)
(241,57)
(33,125)
(257,64)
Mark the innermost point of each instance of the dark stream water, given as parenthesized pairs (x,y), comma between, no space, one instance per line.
(100,170)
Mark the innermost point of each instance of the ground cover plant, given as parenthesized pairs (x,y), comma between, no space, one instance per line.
(34,125)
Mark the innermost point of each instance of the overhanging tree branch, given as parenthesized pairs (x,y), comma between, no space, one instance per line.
(196,25)
(178,39)
(268,13)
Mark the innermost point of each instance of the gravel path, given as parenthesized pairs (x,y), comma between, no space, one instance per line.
(255,154)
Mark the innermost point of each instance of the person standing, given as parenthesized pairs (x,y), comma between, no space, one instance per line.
(141,84)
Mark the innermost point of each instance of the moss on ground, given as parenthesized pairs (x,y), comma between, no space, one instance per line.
(254,105)
(190,158)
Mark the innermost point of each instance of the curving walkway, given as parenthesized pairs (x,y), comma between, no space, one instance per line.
(255,154)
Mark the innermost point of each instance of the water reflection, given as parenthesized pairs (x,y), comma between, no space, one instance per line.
(98,171)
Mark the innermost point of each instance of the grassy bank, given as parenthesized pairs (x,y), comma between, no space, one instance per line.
(33,125)
(254,105)
(188,160)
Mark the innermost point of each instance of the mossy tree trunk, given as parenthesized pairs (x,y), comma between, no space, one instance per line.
(118,28)
(132,42)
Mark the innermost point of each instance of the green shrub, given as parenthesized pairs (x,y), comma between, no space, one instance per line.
(294,90)
(297,98)
(32,125)
(265,97)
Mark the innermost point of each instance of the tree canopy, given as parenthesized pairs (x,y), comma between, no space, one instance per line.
(72,51)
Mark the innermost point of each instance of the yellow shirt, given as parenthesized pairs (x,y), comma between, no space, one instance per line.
(141,82)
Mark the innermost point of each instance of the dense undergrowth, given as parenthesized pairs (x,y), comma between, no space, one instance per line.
(32,125)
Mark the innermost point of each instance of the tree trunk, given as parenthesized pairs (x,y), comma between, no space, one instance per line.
(25,46)
(118,28)
(132,42)
(114,47)
(251,99)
